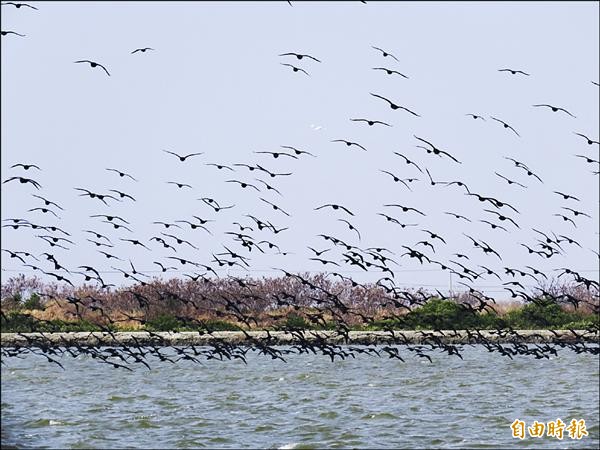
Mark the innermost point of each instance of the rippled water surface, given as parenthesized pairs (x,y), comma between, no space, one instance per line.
(308,402)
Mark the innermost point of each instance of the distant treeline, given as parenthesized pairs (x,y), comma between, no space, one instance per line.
(290,302)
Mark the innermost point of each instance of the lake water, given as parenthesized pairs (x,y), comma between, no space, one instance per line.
(308,402)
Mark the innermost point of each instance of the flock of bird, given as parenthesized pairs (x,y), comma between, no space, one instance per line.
(254,232)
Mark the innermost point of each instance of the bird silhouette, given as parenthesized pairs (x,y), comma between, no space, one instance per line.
(143,50)
(555,109)
(296,69)
(7,32)
(394,106)
(384,53)
(371,122)
(300,56)
(349,143)
(589,141)
(93,64)
(182,158)
(505,125)
(390,71)
(514,72)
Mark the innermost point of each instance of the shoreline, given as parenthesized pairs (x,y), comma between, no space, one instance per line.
(140,338)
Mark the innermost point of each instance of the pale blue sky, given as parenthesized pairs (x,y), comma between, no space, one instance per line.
(215,84)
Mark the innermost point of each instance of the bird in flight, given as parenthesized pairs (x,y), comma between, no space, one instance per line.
(475,116)
(348,143)
(23,181)
(510,181)
(394,106)
(390,71)
(25,166)
(371,122)
(336,207)
(182,158)
(505,125)
(122,174)
(4,33)
(566,196)
(298,152)
(295,69)
(554,109)
(514,72)
(300,56)
(18,5)
(589,141)
(93,64)
(143,50)
(384,53)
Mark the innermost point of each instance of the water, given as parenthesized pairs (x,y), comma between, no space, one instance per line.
(308,402)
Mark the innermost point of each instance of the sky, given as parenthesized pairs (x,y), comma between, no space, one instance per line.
(215,84)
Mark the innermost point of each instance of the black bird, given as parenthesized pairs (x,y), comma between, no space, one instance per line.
(122,174)
(122,194)
(269,187)
(408,161)
(277,154)
(166,224)
(93,64)
(23,181)
(18,5)
(143,50)
(220,166)
(319,253)
(589,141)
(371,122)
(555,109)
(351,227)
(566,196)
(406,208)
(243,184)
(25,166)
(182,158)
(94,195)
(134,242)
(324,261)
(510,181)
(348,143)
(576,213)
(390,71)
(514,72)
(475,116)
(588,159)
(111,218)
(163,268)
(396,179)
(300,56)
(435,150)
(505,125)
(298,152)
(193,226)
(502,217)
(179,185)
(179,240)
(44,210)
(4,33)
(384,53)
(47,202)
(566,219)
(494,226)
(394,106)
(458,216)
(275,207)
(271,174)
(335,207)
(296,69)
